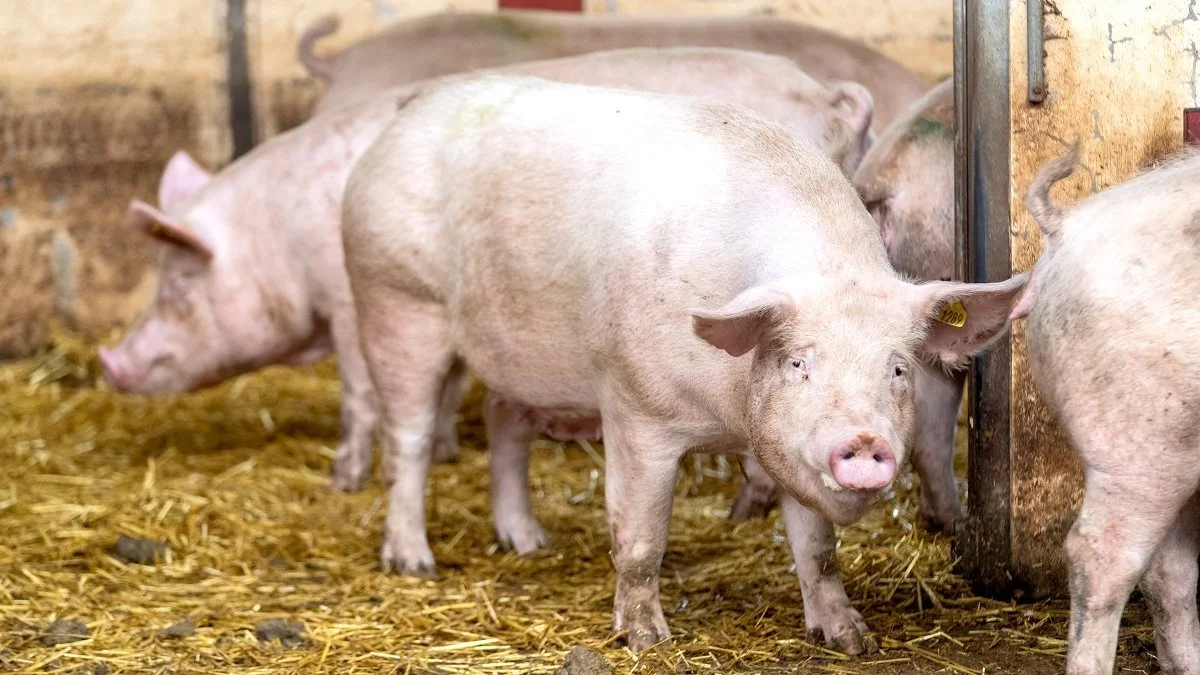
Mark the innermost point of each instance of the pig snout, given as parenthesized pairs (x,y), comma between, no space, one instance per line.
(865,462)
(115,370)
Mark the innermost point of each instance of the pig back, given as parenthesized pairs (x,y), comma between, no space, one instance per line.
(444,44)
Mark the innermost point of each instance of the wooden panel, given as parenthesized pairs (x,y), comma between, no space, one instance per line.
(95,98)
(917,33)
(1119,76)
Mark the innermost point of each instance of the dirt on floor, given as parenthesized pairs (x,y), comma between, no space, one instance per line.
(197,534)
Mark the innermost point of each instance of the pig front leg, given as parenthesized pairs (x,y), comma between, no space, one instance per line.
(758,496)
(1169,588)
(639,492)
(445,439)
(406,343)
(508,456)
(827,610)
(360,411)
(938,400)
(1124,518)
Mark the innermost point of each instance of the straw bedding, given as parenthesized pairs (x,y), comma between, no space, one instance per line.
(247,562)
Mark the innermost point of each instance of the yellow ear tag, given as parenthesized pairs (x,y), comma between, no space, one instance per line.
(954,314)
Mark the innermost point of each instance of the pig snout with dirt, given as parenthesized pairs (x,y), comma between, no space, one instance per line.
(690,273)
(443,44)
(906,182)
(1114,349)
(253,276)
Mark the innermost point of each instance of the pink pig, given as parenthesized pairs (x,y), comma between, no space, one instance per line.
(252,276)
(689,272)
(1114,349)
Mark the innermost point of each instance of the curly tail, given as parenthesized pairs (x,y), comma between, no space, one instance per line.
(319,67)
(1037,198)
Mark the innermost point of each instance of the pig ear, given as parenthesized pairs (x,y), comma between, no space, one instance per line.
(160,226)
(963,319)
(739,326)
(182,178)
(855,105)
(882,213)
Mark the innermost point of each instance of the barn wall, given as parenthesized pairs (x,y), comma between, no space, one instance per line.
(1119,76)
(96,96)
(93,96)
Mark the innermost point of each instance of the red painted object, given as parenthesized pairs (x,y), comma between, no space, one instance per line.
(1191,126)
(545,5)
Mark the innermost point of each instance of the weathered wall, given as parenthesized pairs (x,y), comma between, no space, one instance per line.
(1119,76)
(96,96)
(93,96)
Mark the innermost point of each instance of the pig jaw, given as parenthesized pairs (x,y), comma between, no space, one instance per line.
(183,346)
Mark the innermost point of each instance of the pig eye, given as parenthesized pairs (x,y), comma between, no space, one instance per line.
(800,367)
(899,370)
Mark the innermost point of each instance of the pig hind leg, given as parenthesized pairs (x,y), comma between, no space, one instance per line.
(758,496)
(1169,587)
(445,443)
(1123,521)
(939,398)
(360,408)
(641,470)
(827,609)
(508,455)
(406,342)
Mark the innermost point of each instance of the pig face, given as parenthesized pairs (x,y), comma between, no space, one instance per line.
(210,318)
(830,400)
(906,181)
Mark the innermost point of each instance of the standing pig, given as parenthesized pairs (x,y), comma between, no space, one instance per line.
(252,277)
(1114,348)
(457,43)
(907,183)
(691,273)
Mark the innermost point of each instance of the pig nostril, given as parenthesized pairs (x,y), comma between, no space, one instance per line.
(878,458)
(848,455)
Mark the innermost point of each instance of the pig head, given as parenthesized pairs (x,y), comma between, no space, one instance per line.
(219,309)
(906,181)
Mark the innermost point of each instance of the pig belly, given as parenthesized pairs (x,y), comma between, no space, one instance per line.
(561,424)
(536,374)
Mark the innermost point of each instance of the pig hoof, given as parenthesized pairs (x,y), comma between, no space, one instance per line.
(645,626)
(445,451)
(394,561)
(847,634)
(347,476)
(752,504)
(524,538)
(940,525)
(644,636)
